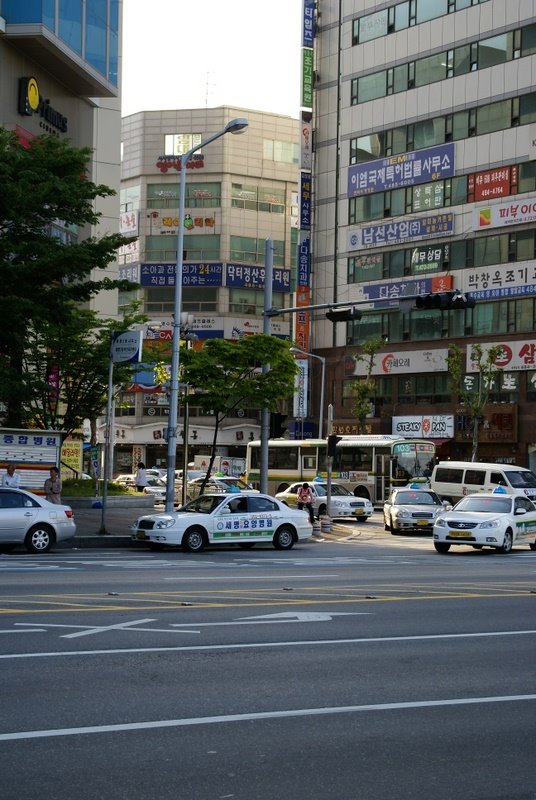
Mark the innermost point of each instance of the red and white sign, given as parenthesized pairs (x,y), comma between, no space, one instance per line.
(516,356)
(491,183)
(516,212)
(401,362)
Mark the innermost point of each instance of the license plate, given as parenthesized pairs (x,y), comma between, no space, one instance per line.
(141,535)
(423,522)
(359,512)
(460,534)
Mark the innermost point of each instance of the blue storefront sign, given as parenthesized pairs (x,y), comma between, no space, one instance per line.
(245,276)
(192,274)
(405,230)
(308,30)
(304,262)
(406,169)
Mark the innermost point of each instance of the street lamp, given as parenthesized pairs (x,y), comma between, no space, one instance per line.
(233,126)
(298,352)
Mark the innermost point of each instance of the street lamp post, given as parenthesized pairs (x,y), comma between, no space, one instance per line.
(296,351)
(234,126)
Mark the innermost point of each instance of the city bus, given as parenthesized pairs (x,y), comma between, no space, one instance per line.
(369,466)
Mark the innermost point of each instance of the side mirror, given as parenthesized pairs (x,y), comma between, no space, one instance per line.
(520,511)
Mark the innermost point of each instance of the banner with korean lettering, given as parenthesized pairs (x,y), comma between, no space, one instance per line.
(245,276)
(406,169)
(305,201)
(519,355)
(516,212)
(192,274)
(385,294)
(405,230)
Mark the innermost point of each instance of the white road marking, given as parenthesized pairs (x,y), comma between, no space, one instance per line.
(262,715)
(260,645)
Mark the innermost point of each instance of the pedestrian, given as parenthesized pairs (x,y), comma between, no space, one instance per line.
(140,478)
(11,479)
(53,487)
(305,498)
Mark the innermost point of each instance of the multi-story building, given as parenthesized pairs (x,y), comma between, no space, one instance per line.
(424,180)
(60,66)
(240,191)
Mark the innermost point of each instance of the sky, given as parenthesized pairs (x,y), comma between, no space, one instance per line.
(207,53)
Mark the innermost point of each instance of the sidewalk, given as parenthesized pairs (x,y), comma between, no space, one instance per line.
(117,524)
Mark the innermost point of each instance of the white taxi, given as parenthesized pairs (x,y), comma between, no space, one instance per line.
(495,519)
(234,518)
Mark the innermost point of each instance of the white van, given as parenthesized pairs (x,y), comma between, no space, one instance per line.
(452,480)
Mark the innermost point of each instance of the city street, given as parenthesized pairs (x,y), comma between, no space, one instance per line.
(364,666)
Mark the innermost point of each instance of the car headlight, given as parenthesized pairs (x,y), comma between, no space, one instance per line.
(402,513)
(490,523)
(164,522)
(441,523)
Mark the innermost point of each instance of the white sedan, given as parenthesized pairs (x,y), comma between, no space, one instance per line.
(28,519)
(496,519)
(343,503)
(234,518)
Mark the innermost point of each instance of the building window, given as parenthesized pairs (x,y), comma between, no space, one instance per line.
(245,248)
(197,248)
(175,144)
(251,301)
(284,152)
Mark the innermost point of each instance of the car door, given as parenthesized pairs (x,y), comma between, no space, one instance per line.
(525,524)
(16,515)
(230,522)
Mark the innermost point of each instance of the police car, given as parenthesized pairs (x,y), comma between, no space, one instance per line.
(234,518)
(494,519)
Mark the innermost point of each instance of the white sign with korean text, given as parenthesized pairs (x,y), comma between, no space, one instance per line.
(401,362)
(516,356)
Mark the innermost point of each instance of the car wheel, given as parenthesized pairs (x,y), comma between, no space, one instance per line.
(246,545)
(194,540)
(322,509)
(507,542)
(39,539)
(442,547)
(284,538)
(391,527)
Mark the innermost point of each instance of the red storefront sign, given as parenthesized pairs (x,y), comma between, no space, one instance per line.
(491,183)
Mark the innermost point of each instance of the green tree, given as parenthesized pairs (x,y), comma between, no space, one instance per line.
(66,367)
(474,394)
(228,375)
(44,187)
(364,388)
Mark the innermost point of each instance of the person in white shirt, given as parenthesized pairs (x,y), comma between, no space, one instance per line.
(11,479)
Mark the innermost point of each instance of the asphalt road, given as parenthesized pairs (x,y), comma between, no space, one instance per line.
(366,667)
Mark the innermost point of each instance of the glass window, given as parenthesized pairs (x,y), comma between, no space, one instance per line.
(397,263)
(527,177)
(286,152)
(397,202)
(524,311)
(428,324)
(525,250)
(366,148)
(96,34)
(372,26)
(495,50)
(527,108)
(400,140)
(487,319)
(429,133)
(491,250)
(400,78)
(251,301)
(494,117)
(113,42)
(462,60)
(370,87)
(428,196)
(130,198)
(430,9)
(460,125)
(458,190)
(175,144)
(401,16)
(528,40)
(70,23)
(431,69)
(362,269)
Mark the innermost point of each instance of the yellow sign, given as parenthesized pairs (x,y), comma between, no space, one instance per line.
(71,458)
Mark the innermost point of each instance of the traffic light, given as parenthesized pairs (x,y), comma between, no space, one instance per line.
(444,300)
(332,444)
(343,314)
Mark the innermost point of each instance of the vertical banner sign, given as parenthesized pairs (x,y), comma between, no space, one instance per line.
(307,78)
(300,393)
(305,201)
(303,295)
(306,140)
(308,27)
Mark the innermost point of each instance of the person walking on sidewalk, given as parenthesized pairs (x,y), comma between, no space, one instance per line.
(141,477)
(305,498)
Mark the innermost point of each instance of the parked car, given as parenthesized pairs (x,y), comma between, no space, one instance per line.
(233,518)
(125,480)
(343,503)
(219,484)
(156,488)
(495,519)
(412,508)
(28,519)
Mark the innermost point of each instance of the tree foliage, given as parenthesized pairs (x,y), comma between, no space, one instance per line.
(228,374)
(364,388)
(66,369)
(45,188)
(474,396)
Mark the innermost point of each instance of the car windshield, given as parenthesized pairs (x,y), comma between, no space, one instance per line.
(417,499)
(336,490)
(522,479)
(487,505)
(204,504)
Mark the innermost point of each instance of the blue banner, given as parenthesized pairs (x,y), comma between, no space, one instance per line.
(308,30)
(304,262)
(404,230)
(192,274)
(245,276)
(406,169)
